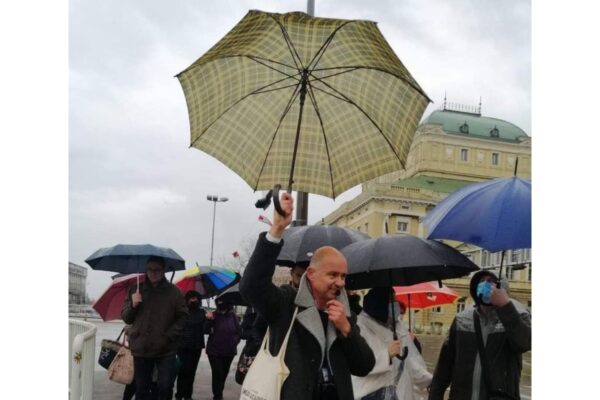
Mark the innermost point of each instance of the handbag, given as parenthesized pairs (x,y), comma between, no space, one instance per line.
(121,368)
(493,394)
(108,350)
(267,373)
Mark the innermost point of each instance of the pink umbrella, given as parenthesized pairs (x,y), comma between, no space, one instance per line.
(109,305)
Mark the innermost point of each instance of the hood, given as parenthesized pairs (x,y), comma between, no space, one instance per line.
(376,303)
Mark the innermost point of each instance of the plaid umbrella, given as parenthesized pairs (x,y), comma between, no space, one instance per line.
(208,281)
(322,103)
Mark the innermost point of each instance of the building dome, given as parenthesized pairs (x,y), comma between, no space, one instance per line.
(464,123)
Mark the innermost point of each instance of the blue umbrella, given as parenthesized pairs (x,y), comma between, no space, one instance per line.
(132,258)
(494,215)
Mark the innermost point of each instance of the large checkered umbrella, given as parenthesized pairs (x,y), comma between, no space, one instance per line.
(324,104)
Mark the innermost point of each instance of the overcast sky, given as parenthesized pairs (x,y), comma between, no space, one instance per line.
(133,177)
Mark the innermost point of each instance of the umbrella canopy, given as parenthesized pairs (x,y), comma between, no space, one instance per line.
(300,242)
(392,260)
(233,296)
(109,305)
(494,215)
(322,103)
(132,258)
(208,281)
(425,295)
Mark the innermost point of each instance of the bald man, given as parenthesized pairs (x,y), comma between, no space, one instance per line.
(325,346)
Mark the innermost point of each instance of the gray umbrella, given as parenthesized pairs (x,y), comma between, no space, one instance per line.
(132,258)
(392,260)
(300,242)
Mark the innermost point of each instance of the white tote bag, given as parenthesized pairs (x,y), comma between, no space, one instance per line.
(267,373)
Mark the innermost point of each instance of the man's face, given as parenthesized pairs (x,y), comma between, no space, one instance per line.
(296,274)
(328,278)
(155,272)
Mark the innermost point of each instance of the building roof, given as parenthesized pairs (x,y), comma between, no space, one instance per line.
(471,124)
(433,183)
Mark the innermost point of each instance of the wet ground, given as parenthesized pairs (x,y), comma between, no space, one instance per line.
(108,390)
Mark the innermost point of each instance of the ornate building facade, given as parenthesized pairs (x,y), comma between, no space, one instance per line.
(452,147)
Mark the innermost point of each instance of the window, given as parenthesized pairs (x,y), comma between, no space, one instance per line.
(464,155)
(529,273)
(495,157)
(461,304)
(497,258)
(367,227)
(436,310)
(485,258)
(401,226)
(514,256)
(510,274)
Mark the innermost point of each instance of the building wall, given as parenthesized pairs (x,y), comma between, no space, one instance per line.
(438,154)
(77,284)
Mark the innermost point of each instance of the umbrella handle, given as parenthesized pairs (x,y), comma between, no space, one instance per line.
(404,354)
(265,202)
(276,203)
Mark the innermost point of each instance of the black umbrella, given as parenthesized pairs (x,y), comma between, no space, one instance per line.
(401,261)
(392,260)
(232,296)
(301,241)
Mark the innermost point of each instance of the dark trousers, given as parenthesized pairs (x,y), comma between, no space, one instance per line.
(187,372)
(142,371)
(220,369)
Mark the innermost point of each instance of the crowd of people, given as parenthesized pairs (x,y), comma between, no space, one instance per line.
(334,346)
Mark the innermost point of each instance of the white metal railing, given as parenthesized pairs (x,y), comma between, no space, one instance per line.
(82,354)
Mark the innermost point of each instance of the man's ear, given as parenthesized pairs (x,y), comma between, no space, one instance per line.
(310,273)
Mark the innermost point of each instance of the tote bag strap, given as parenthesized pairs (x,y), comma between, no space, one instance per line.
(120,334)
(287,335)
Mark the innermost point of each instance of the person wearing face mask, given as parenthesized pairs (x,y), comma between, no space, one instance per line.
(375,323)
(192,343)
(224,332)
(505,327)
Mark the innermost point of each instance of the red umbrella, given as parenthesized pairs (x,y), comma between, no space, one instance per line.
(109,305)
(424,295)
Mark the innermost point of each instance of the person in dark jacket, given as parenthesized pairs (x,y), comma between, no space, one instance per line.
(224,335)
(157,314)
(325,345)
(506,333)
(192,343)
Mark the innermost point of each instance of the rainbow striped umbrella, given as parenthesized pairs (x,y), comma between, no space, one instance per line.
(208,281)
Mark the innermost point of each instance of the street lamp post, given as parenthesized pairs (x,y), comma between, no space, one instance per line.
(214,199)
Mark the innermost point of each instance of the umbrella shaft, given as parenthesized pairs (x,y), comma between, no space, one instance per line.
(302,97)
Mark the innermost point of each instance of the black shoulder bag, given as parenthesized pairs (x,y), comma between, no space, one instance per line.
(108,350)
(492,394)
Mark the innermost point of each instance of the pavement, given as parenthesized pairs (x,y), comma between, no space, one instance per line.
(104,389)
